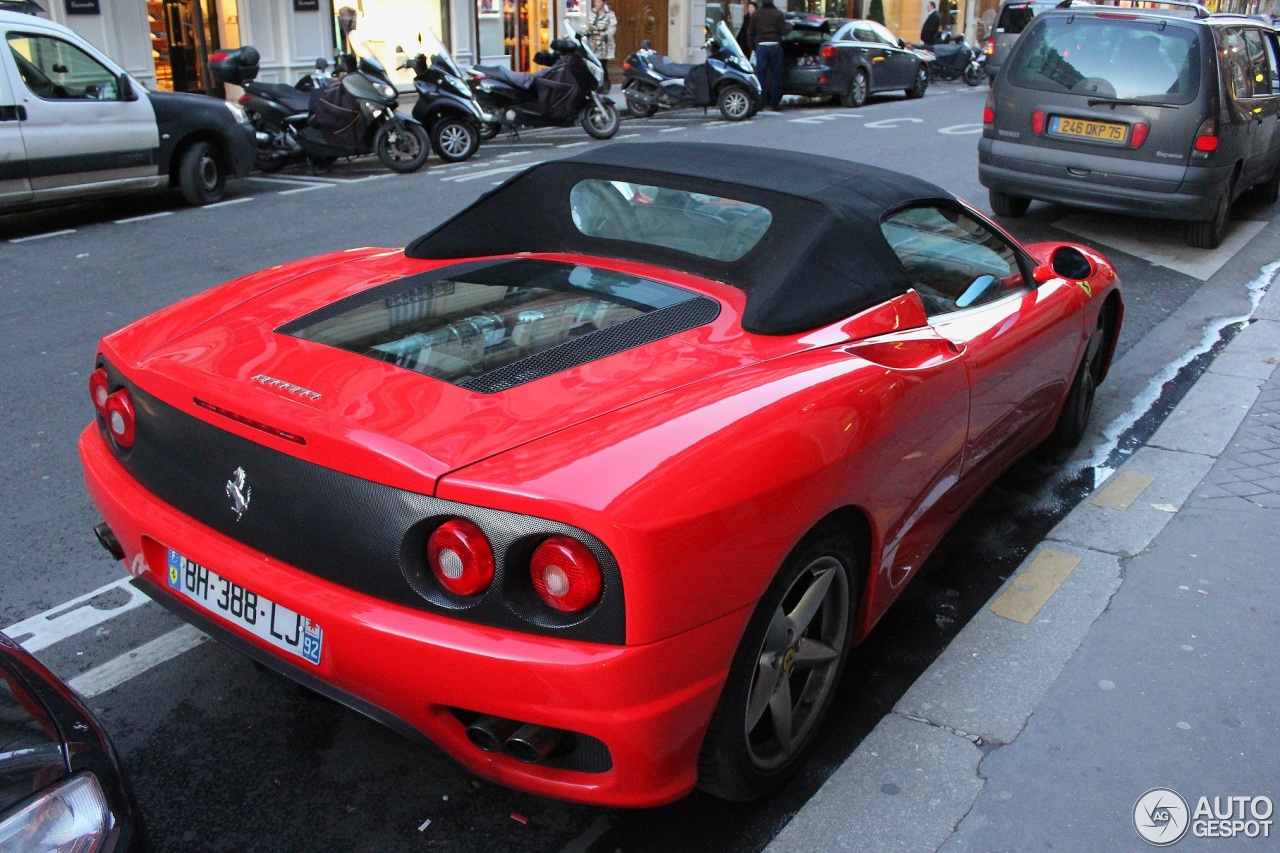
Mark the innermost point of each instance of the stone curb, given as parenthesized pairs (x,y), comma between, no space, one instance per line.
(911,782)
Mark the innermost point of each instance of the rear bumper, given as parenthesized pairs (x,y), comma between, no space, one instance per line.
(650,705)
(1156,191)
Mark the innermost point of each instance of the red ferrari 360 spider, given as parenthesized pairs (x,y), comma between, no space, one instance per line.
(596,484)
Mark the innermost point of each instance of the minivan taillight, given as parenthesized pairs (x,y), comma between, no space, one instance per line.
(1206,140)
(990,49)
(1037,122)
(989,117)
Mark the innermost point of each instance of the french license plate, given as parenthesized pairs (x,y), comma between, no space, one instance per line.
(1097,131)
(275,623)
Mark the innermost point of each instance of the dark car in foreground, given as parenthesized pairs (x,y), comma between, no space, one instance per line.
(601,504)
(61,785)
(1170,113)
(849,60)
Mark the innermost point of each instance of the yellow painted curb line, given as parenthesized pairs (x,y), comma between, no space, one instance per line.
(1030,590)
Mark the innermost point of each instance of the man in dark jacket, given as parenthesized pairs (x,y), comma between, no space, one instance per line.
(932,23)
(765,32)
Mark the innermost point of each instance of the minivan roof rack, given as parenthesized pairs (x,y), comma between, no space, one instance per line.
(1200,10)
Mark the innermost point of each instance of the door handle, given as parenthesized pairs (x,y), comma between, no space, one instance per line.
(18,113)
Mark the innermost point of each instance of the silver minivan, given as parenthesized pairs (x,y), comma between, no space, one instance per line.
(1163,113)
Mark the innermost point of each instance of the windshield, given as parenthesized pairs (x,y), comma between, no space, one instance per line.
(724,35)
(1154,61)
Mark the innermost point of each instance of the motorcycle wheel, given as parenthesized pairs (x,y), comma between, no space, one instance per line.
(638,109)
(269,160)
(734,103)
(402,150)
(600,121)
(455,139)
(488,131)
(972,74)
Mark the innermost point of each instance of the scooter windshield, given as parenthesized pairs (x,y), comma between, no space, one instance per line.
(725,36)
(437,54)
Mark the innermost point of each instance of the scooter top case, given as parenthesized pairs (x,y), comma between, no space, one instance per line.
(237,66)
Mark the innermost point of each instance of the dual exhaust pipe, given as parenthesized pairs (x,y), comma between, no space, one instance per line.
(526,742)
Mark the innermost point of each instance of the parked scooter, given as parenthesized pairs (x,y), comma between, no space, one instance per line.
(726,79)
(954,59)
(446,106)
(352,116)
(560,96)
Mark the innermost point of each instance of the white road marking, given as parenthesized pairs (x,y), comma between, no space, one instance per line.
(1153,241)
(70,618)
(626,136)
(300,180)
(890,123)
(228,202)
(572,144)
(118,670)
(815,119)
(42,236)
(961,129)
(144,218)
(472,176)
(671,130)
(307,189)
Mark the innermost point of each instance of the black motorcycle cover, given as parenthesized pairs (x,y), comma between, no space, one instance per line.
(555,88)
(335,113)
(698,84)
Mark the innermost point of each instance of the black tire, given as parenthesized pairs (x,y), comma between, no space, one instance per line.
(1268,192)
(734,103)
(858,91)
(600,121)
(488,131)
(785,671)
(972,74)
(1208,233)
(1007,205)
(921,84)
(638,109)
(1074,419)
(455,139)
(268,160)
(402,149)
(201,175)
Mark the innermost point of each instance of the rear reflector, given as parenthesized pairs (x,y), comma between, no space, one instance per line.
(1206,143)
(1138,134)
(1037,122)
(460,557)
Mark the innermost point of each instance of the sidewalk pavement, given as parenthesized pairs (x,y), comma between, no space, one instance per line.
(1154,664)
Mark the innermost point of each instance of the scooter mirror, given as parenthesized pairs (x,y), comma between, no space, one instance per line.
(646,44)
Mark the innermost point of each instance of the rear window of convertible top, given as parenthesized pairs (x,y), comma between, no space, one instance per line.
(465,325)
(722,229)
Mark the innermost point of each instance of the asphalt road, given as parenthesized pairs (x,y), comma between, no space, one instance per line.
(225,758)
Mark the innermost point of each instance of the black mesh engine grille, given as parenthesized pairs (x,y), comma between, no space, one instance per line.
(363,535)
(637,331)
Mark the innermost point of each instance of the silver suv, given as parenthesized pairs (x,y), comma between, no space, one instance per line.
(1170,114)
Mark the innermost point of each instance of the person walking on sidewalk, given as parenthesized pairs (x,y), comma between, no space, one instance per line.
(600,32)
(765,32)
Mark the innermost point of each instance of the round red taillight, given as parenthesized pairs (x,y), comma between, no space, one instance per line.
(120,418)
(460,557)
(565,574)
(99,390)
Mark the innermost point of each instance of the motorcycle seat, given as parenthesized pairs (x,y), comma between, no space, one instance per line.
(519,79)
(290,97)
(944,51)
(667,68)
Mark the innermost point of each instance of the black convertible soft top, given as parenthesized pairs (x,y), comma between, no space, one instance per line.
(822,258)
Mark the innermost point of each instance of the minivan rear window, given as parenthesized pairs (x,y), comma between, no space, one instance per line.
(1127,59)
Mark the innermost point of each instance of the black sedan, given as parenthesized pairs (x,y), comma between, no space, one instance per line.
(849,60)
(61,787)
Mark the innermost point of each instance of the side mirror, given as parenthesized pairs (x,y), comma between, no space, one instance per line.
(646,45)
(322,64)
(902,43)
(125,87)
(713,45)
(399,48)
(1070,262)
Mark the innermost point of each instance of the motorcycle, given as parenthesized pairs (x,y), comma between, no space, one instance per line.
(726,79)
(954,59)
(351,116)
(562,95)
(446,105)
